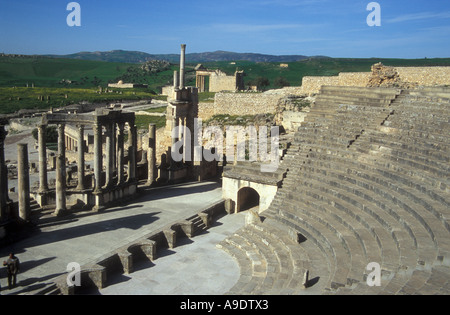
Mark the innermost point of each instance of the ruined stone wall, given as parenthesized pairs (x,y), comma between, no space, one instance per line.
(205,110)
(410,76)
(311,85)
(251,103)
(426,76)
(353,78)
(221,82)
(242,104)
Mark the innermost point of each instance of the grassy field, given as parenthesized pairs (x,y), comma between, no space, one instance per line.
(52,72)
(16,98)
(142,121)
(59,82)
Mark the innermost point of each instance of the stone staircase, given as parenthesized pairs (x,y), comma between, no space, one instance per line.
(368,181)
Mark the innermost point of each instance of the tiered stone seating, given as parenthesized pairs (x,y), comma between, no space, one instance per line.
(369,181)
(270,263)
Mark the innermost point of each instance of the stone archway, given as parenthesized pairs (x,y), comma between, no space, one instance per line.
(247,198)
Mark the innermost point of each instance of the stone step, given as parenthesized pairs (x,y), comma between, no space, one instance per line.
(434,113)
(416,139)
(411,157)
(275,261)
(357,101)
(285,259)
(338,248)
(370,161)
(379,141)
(374,225)
(402,240)
(425,218)
(345,90)
(247,281)
(347,166)
(407,124)
(320,254)
(409,195)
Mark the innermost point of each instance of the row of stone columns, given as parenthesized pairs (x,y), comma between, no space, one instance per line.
(200,82)
(70,143)
(111,160)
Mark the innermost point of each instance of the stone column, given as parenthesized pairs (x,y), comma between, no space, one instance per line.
(176,81)
(98,167)
(151,153)
(132,153)
(175,138)
(110,152)
(98,157)
(23,175)
(43,183)
(186,143)
(120,154)
(182,60)
(81,164)
(3,176)
(61,172)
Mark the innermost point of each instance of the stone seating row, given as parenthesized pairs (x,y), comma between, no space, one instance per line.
(269,262)
(357,205)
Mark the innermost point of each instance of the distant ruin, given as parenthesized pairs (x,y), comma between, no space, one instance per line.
(218,80)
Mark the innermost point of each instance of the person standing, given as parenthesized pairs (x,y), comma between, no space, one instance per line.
(12,268)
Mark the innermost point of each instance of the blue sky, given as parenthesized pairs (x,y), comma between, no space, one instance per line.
(409,29)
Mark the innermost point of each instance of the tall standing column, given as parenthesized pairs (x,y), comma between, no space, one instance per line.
(43,183)
(182,61)
(3,176)
(120,154)
(61,172)
(81,149)
(187,149)
(23,169)
(98,156)
(110,136)
(132,153)
(175,138)
(151,153)
(98,166)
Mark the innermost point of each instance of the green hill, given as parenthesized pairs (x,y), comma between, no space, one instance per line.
(54,78)
(54,72)
(139,57)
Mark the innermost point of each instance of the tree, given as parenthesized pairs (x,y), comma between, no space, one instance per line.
(281,82)
(51,134)
(261,82)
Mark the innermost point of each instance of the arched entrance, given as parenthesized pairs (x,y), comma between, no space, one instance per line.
(247,199)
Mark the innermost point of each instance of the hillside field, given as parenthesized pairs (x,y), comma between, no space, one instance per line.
(59,82)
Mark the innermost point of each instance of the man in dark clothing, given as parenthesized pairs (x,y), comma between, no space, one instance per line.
(12,268)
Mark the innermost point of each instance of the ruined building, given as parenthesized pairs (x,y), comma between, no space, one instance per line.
(217,81)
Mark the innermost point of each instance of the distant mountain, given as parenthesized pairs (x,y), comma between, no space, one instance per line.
(232,56)
(139,57)
(109,56)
